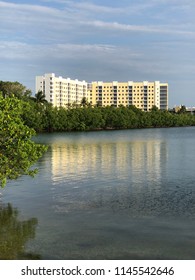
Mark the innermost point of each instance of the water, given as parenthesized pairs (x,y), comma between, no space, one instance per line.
(105,195)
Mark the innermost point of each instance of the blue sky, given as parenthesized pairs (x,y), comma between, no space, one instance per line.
(101,40)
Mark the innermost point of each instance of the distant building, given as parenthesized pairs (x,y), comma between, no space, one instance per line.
(183,108)
(61,91)
(190,110)
(64,91)
(144,95)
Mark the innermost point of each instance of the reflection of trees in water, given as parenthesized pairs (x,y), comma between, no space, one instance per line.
(14,234)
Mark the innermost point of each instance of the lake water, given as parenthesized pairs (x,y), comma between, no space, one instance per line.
(105,195)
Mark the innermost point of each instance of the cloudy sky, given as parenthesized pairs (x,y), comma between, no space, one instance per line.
(101,40)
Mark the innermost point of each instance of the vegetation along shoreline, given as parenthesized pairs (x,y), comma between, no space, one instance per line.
(42,116)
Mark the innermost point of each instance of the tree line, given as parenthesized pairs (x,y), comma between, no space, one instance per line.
(50,119)
(40,115)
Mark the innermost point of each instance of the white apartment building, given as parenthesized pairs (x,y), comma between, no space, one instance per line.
(61,91)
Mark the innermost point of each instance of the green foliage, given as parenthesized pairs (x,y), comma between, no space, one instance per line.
(17,151)
(49,118)
(33,115)
(16,89)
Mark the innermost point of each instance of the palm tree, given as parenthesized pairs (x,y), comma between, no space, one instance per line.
(84,102)
(40,97)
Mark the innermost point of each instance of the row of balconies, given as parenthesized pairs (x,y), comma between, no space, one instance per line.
(129,98)
(123,91)
(124,87)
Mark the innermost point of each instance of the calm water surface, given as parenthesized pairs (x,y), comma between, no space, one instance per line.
(105,195)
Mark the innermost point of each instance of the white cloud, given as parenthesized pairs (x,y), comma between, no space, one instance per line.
(12,50)
(142,28)
(27,8)
(92,8)
(17,50)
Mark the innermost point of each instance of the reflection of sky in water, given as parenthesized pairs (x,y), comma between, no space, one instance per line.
(119,194)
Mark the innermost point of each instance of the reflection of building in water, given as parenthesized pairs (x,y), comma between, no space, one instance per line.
(111,175)
(117,160)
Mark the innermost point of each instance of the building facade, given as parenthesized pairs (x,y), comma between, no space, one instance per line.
(60,91)
(64,91)
(144,95)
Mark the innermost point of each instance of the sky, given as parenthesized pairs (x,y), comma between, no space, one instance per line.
(105,40)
